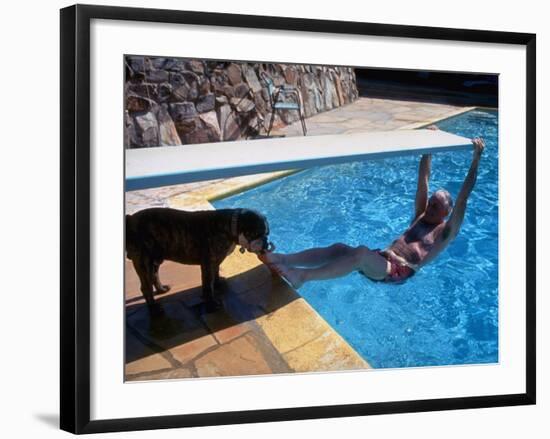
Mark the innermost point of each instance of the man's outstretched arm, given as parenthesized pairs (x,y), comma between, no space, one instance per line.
(424,170)
(455,221)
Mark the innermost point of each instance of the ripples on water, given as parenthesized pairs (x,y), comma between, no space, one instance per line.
(448,312)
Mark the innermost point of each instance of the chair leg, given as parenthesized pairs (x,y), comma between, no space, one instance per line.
(303,123)
(271,121)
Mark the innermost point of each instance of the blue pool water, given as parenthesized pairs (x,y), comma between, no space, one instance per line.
(448,312)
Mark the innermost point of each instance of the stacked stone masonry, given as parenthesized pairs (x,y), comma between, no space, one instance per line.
(173,101)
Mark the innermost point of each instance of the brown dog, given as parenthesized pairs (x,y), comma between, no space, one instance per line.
(202,238)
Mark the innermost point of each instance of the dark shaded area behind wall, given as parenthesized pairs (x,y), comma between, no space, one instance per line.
(438,87)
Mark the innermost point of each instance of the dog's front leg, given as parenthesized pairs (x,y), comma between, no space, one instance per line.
(208,275)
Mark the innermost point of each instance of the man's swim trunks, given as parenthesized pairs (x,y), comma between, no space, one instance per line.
(398,272)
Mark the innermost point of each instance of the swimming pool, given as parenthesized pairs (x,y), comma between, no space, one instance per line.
(448,312)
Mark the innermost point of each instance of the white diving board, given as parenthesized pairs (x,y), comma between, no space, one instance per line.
(169,165)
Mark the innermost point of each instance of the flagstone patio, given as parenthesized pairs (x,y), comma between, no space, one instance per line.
(265,327)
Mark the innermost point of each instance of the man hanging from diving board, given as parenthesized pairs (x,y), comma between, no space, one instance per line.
(427,236)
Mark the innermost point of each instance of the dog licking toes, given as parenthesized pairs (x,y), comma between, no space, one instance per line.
(202,238)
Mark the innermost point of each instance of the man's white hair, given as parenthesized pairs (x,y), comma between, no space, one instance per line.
(447,196)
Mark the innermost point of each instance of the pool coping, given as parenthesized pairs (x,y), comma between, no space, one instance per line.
(451,114)
(315,358)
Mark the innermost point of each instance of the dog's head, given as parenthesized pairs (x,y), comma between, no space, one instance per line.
(253,231)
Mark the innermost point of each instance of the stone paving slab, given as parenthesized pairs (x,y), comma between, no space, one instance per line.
(292,326)
(224,327)
(327,352)
(242,356)
(149,365)
(141,358)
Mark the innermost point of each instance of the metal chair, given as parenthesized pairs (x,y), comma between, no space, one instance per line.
(283,97)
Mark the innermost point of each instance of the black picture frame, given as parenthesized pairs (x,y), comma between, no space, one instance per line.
(75,217)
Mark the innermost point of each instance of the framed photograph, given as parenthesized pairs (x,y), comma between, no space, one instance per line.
(275,218)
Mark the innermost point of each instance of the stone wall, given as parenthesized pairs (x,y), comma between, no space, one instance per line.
(172,101)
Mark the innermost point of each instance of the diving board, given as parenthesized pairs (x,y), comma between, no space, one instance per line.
(169,165)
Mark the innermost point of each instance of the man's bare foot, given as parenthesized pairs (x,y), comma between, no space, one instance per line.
(294,276)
